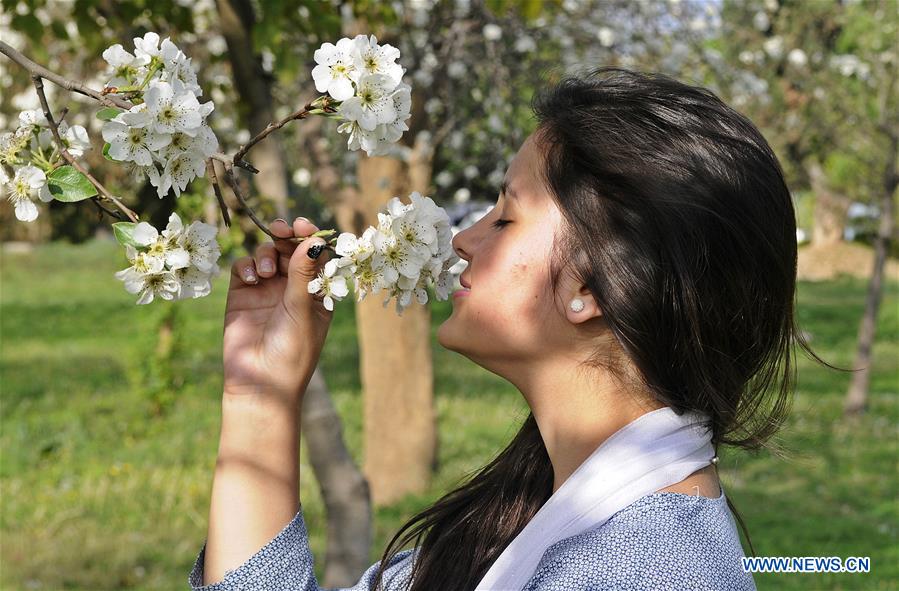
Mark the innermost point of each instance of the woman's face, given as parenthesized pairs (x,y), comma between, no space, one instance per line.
(508,317)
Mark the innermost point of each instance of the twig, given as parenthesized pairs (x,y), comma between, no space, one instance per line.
(39,70)
(210,172)
(300,114)
(323,103)
(39,86)
(229,161)
(235,187)
(113,213)
(108,98)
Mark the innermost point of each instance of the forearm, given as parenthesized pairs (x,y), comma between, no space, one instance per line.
(255,489)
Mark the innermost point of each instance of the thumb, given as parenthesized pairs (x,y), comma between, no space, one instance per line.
(304,266)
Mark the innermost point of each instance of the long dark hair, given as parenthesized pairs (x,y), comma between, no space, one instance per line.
(678,219)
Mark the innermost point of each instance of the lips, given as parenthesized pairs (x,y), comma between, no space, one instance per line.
(464,282)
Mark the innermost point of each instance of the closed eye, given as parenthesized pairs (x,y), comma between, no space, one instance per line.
(501,223)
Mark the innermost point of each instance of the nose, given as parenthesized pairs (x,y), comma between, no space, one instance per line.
(462,242)
(458,242)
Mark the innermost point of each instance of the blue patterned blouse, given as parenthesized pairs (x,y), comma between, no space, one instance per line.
(661,541)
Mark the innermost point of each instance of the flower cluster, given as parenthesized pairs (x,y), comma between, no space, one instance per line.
(32,154)
(410,248)
(176,264)
(165,135)
(367,82)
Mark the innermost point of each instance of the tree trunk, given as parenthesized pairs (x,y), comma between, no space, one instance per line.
(857,396)
(396,364)
(342,485)
(830,208)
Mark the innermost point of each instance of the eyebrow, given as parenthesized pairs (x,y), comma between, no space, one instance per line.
(505,189)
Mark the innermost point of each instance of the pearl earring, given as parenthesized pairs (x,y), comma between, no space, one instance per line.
(577,304)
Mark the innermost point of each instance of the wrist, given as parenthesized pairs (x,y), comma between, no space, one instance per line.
(254,423)
(253,405)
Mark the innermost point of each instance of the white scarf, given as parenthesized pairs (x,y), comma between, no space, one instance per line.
(654,451)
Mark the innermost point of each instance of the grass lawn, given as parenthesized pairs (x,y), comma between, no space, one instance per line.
(101,492)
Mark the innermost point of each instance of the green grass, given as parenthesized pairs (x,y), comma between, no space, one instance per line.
(98,492)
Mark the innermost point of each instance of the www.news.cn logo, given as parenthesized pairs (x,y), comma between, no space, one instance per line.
(806,564)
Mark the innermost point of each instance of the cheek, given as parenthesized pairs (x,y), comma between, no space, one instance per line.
(518,298)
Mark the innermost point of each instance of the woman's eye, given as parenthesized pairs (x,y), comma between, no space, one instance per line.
(501,223)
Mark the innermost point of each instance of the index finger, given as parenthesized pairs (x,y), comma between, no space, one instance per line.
(282,229)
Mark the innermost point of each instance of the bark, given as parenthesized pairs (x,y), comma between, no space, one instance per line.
(342,486)
(856,400)
(395,353)
(830,208)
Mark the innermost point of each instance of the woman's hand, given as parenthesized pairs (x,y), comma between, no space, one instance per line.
(274,328)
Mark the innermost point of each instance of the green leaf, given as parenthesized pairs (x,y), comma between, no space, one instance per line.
(67,184)
(106,153)
(107,113)
(124,233)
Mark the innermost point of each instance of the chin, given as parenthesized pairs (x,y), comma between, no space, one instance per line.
(444,334)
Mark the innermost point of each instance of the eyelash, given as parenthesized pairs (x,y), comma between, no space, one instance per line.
(501,223)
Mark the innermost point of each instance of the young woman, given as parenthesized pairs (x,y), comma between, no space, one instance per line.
(636,278)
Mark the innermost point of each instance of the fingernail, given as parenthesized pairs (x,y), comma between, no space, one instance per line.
(304,219)
(249,275)
(315,250)
(266,265)
(281,220)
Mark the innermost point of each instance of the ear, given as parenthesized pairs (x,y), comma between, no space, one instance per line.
(589,310)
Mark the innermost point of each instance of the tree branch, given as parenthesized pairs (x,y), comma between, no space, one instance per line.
(271,127)
(38,73)
(39,70)
(39,86)
(235,187)
(213,178)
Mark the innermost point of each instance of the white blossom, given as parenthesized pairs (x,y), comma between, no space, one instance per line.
(179,171)
(302,177)
(32,117)
(373,102)
(336,69)
(774,46)
(797,57)
(163,284)
(125,66)
(132,142)
(173,108)
(525,44)
(409,249)
(371,58)
(181,69)
(165,136)
(330,284)
(28,183)
(161,246)
(462,195)
(492,32)
(177,263)
(374,142)
(75,138)
(606,36)
(147,47)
